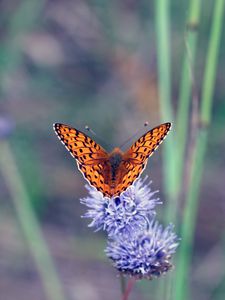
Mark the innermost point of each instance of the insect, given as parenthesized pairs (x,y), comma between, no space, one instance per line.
(110,173)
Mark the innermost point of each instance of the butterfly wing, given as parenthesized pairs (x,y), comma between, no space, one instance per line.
(145,146)
(128,173)
(97,175)
(92,159)
(136,157)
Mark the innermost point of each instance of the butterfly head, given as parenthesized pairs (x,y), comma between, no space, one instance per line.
(116,155)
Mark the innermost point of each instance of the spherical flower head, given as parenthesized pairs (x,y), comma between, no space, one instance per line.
(145,254)
(121,215)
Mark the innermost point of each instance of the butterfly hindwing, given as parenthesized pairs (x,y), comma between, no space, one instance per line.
(130,173)
(97,176)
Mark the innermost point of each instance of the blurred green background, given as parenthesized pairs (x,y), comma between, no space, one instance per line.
(93,62)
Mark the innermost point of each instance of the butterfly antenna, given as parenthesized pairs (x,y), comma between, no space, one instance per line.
(131,138)
(92,132)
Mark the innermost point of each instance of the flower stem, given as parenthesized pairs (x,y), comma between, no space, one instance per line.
(122,284)
(129,288)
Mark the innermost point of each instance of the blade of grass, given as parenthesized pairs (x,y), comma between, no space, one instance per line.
(190,212)
(164,77)
(186,85)
(162,21)
(29,225)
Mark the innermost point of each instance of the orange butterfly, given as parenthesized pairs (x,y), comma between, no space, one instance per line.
(110,173)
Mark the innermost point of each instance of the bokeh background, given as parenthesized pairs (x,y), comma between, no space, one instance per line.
(92,62)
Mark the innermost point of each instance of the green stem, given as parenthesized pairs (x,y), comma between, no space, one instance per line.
(212,58)
(190,212)
(187,84)
(29,225)
(188,222)
(164,78)
(122,284)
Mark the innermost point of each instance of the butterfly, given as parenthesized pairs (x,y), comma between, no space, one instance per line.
(110,173)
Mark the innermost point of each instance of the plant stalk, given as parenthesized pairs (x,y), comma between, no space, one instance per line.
(196,170)
(29,225)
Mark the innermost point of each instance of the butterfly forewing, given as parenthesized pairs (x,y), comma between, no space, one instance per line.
(147,144)
(81,146)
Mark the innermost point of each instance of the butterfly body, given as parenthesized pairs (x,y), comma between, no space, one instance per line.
(115,159)
(110,173)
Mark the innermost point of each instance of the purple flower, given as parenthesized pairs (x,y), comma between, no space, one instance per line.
(122,215)
(144,254)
